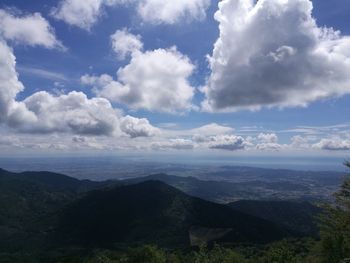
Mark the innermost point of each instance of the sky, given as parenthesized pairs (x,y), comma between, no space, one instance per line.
(187,77)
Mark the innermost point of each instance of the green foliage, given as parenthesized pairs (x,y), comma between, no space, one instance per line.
(335,227)
(297,217)
(146,254)
(280,253)
(217,255)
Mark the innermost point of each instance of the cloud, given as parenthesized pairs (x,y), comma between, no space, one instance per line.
(335,144)
(268,142)
(153,80)
(9,141)
(79,13)
(272,53)
(10,85)
(42,73)
(212,129)
(79,139)
(265,146)
(171,12)
(176,144)
(73,113)
(135,127)
(228,142)
(300,142)
(80,142)
(125,43)
(206,132)
(32,30)
(86,13)
(268,137)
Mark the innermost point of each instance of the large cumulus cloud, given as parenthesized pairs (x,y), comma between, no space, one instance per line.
(72,112)
(9,83)
(82,13)
(43,112)
(136,127)
(125,43)
(272,53)
(30,29)
(228,142)
(333,144)
(156,80)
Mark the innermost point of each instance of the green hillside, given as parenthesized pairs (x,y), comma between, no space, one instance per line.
(153,212)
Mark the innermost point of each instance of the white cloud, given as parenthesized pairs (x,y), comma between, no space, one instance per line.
(170,12)
(31,30)
(83,13)
(268,137)
(212,129)
(176,144)
(168,125)
(86,13)
(10,85)
(206,132)
(153,80)
(100,81)
(300,142)
(79,13)
(272,53)
(42,73)
(228,142)
(125,43)
(334,144)
(135,127)
(269,146)
(73,113)
(268,142)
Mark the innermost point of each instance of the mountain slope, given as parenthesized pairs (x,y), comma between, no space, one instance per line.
(299,217)
(28,199)
(153,212)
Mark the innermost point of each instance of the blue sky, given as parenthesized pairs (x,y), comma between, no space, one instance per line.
(321,120)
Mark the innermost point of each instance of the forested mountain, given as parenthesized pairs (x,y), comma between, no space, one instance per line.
(49,213)
(299,217)
(153,212)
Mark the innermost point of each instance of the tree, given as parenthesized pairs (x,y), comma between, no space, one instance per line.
(335,227)
(146,254)
(216,255)
(280,252)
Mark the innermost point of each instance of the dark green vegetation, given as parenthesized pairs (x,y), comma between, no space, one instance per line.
(47,217)
(299,217)
(30,202)
(153,212)
(335,227)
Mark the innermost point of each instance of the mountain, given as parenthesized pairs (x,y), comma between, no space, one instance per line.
(42,209)
(154,212)
(299,217)
(29,202)
(223,191)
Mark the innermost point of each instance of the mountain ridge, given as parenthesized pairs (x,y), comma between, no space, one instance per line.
(161,210)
